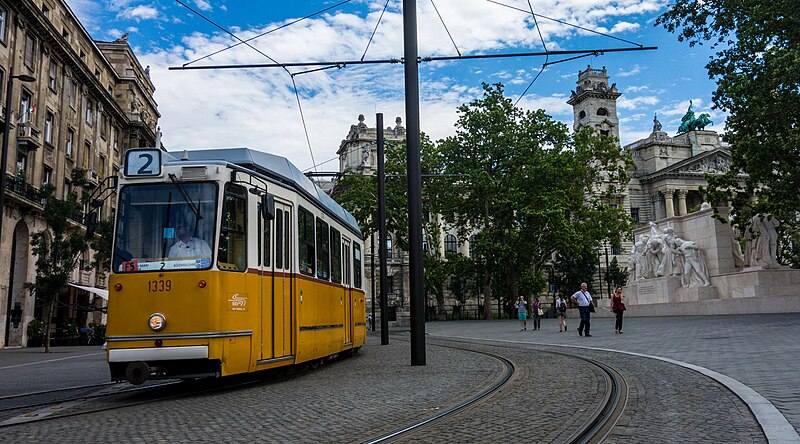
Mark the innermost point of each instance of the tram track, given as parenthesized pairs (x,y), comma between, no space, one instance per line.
(595,428)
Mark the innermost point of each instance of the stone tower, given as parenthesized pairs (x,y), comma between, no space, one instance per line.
(595,103)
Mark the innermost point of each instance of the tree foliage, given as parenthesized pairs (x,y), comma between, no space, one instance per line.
(757,70)
(57,248)
(530,188)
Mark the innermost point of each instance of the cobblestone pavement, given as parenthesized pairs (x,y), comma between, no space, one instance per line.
(760,351)
(666,404)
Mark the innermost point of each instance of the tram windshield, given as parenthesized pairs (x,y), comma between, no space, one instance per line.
(165,227)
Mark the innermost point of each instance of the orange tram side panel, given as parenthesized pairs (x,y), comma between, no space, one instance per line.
(239,319)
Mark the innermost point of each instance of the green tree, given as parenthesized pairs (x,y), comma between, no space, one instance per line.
(58,247)
(615,274)
(530,188)
(757,70)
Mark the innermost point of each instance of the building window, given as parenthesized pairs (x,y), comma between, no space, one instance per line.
(305,233)
(47,176)
(424,242)
(3,21)
(615,250)
(72,93)
(89,112)
(68,144)
(22,164)
(49,121)
(635,215)
(104,126)
(45,11)
(602,112)
(25,107)
(83,56)
(102,168)
(87,157)
(52,79)
(65,35)
(30,51)
(605,133)
(472,247)
(388,245)
(450,244)
(581,114)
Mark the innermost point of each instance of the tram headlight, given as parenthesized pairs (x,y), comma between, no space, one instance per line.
(157,321)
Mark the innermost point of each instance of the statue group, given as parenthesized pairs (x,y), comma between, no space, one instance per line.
(661,253)
(691,123)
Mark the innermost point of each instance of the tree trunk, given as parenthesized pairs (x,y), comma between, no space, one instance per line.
(47,323)
(487,297)
(441,312)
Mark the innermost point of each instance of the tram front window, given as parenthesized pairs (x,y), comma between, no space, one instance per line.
(160,229)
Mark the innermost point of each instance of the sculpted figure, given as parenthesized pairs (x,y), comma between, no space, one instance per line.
(643,269)
(763,247)
(655,255)
(695,272)
(736,248)
(669,265)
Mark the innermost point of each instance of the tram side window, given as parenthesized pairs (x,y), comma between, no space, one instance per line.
(279,239)
(305,233)
(323,258)
(356,265)
(346,261)
(267,242)
(233,233)
(336,256)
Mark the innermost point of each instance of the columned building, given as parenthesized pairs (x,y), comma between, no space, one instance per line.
(90,101)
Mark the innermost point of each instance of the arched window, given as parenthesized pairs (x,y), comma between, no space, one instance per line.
(450,244)
(388,245)
(582,114)
(472,247)
(602,112)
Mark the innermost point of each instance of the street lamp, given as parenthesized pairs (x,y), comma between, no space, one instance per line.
(6,136)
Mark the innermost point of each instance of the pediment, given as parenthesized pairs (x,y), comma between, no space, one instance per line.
(714,162)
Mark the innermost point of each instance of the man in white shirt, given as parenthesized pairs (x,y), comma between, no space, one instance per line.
(583,298)
(187,245)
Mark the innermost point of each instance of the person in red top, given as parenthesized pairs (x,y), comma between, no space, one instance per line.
(618,308)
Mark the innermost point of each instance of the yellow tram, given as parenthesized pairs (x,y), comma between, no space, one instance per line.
(228,261)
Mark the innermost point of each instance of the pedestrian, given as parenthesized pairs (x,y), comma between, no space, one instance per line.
(369,321)
(618,308)
(583,298)
(522,312)
(561,308)
(536,310)
(90,335)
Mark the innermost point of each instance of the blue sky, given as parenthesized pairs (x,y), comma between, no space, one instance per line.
(258,108)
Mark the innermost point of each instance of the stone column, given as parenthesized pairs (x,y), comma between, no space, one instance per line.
(668,202)
(655,198)
(682,202)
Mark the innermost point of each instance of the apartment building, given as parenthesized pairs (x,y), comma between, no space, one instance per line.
(75,103)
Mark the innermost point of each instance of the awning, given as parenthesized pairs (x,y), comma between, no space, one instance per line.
(102,292)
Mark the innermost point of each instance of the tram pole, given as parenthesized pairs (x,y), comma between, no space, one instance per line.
(372,265)
(417,289)
(382,230)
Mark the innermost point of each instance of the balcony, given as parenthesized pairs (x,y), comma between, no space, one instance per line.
(29,136)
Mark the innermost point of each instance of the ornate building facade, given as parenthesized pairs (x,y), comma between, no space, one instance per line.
(90,101)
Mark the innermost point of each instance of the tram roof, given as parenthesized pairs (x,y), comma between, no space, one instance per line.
(276,167)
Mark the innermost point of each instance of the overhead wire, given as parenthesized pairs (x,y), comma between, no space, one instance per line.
(546,57)
(291,75)
(385,5)
(268,32)
(445,27)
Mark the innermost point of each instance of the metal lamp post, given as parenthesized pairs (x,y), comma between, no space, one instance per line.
(6,136)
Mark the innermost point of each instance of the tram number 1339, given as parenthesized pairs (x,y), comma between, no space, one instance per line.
(160,285)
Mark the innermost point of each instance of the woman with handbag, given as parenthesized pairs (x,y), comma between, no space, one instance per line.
(537,314)
(618,308)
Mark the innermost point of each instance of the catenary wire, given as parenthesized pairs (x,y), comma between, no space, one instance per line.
(445,27)
(294,84)
(546,57)
(268,32)
(375,30)
(567,23)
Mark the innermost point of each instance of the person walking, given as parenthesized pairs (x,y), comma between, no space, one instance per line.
(618,308)
(583,298)
(522,312)
(536,310)
(561,309)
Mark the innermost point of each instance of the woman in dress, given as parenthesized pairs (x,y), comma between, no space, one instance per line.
(618,308)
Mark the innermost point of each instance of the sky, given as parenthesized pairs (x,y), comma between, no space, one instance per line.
(258,108)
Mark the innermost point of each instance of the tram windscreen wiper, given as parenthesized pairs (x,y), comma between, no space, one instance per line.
(195,209)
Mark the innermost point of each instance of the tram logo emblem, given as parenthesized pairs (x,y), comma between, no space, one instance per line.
(238,302)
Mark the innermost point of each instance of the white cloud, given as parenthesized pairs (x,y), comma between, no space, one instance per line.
(203,5)
(636,102)
(635,69)
(139,13)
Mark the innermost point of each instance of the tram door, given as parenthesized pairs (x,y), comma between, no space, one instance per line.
(347,280)
(277,303)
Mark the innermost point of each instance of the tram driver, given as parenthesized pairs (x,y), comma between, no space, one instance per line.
(188,245)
